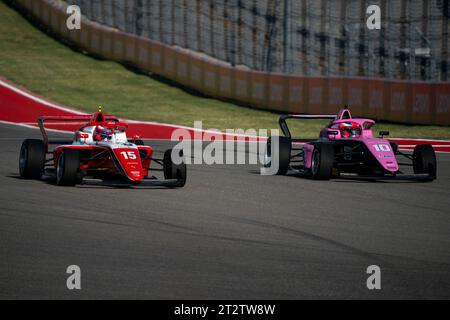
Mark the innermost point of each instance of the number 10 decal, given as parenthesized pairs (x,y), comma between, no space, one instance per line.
(382,147)
(129,155)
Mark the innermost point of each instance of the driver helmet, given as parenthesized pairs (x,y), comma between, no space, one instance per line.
(102,134)
(350,129)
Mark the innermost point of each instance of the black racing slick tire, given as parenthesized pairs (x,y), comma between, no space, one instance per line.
(139,142)
(68,168)
(322,161)
(32,159)
(175,171)
(424,160)
(284,154)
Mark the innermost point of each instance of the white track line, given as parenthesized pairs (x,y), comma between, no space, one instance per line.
(400,139)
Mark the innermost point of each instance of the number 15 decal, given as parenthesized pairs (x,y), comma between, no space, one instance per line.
(129,155)
(382,147)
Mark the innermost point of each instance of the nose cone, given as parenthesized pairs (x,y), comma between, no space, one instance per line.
(130,161)
(382,151)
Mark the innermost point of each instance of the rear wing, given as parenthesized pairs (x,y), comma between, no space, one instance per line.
(78,118)
(284,127)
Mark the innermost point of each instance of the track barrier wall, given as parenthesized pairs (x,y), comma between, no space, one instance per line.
(397,101)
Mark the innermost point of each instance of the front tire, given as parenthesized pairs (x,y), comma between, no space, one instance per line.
(424,160)
(322,162)
(284,154)
(32,159)
(67,171)
(175,171)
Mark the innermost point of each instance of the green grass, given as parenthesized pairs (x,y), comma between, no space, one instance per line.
(41,64)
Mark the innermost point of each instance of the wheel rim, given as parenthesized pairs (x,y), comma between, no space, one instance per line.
(60,168)
(23,159)
(315,162)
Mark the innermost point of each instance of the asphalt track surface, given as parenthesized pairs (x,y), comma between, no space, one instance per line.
(229,234)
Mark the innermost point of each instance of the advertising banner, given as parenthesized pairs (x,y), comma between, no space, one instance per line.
(242,91)
(337,98)
(442,91)
(156,60)
(36,8)
(196,73)
(316,95)
(297,94)
(421,103)
(226,82)
(355,98)
(400,96)
(142,53)
(130,49)
(107,41)
(85,35)
(182,60)
(376,98)
(407,102)
(277,92)
(95,39)
(259,89)
(119,40)
(210,79)
(46,14)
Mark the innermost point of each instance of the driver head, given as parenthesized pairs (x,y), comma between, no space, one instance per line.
(350,129)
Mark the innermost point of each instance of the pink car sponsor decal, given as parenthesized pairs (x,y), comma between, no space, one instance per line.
(382,151)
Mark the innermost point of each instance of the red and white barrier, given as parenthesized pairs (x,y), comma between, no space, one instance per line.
(20,107)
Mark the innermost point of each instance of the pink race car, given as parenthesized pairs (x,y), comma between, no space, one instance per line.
(347,148)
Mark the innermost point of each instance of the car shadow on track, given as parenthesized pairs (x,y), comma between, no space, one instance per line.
(342,179)
(52,182)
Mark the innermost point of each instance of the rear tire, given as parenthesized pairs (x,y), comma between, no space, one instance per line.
(68,169)
(175,171)
(139,142)
(32,159)
(284,153)
(424,160)
(322,161)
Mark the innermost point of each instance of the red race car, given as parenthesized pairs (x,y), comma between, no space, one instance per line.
(100,153)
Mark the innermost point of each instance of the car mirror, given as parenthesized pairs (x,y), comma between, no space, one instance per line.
(384,133)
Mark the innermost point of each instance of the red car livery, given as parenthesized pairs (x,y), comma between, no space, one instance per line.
(100,152)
